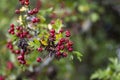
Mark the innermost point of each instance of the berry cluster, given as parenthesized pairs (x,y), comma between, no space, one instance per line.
(62,46)
(24,2)
(55,41)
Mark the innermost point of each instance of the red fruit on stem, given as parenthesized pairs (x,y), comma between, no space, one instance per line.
(17,11)
(34,20)
(27,0)
(9,31)
(59,43)
(40,49)
(30,12)
(70,49)
(17,34)
(21,35)
(10,65)
(52,31)
(62,47)
(62,40)
(58,48)
(22,61)
(17,51)
(20,57)
(52,34)
(70,43)
(11,47)
(12,29)
(64,54)
(39,59)
(52,22)
(13,51)
(35,10)
(67,33)
(61,30)
(58,53)
(37,20)
(22,2)
(12,32)
(26,3)
(2,77)
(22,52)
(12,25)
(18,28)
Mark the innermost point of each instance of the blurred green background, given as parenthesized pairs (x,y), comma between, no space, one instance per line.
(95,27)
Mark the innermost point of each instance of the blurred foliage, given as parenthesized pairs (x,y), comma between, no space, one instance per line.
(112,72)
(96,31)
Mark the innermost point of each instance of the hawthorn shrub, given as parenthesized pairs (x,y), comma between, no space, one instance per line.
(96,40)
(34,35)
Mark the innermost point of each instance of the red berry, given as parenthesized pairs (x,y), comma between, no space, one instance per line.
(67,33)
(70,49)
(25,33)
(30,12)
(13,51)
(58,53)
(52,34)
(27,0)
(11,47)
(9,66)
(52,31)
(12,29)
(18,28)
(37,20)
(21,28)
(53,15)
(40,49)
(17,51)
(26,3)
(22,61)
(39,59)
(21,35)
(34,20)
(35,10)
(22,52)
(12,25)
(70,43)
(58,48)
(29,36)
(2,77)
(22,2)
(64,54)
(9,30)
(52,22)
(17,11)
(66,40)
(12,32)
(62,40)
(62,47)
(17,34)
(59,43)
(61,30)
(20,57)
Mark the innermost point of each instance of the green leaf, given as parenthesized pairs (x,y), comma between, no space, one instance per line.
(78,54)
(47,11)
(58,24)
(42,19)
(94,76)
(31,43)
(35,43)
(71,56)
(31,58)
